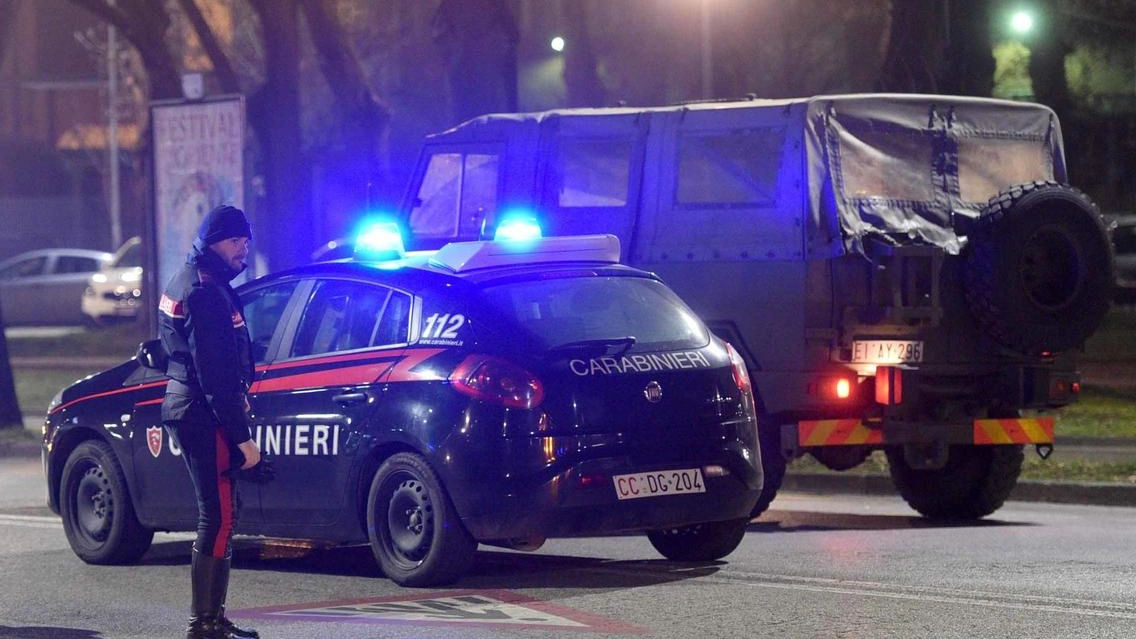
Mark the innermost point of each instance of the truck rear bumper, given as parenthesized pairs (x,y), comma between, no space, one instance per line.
(854,432)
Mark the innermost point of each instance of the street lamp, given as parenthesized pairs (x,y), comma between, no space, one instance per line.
(1021,22)
(557,44)
(707,53)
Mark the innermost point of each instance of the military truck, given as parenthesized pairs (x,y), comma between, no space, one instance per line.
(906,273)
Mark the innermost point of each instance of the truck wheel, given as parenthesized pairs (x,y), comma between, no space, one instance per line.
(975,481)
(1038,268)
(700,542)
(772,464)
(98,516)
(840,457)
(414,529)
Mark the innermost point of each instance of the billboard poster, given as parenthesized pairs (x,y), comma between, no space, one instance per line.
(198,165)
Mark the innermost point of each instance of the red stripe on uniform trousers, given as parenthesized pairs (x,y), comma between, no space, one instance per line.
(225,493)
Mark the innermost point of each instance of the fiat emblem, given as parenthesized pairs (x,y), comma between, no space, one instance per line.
(653,392)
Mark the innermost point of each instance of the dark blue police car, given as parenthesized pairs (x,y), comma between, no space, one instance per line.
(496,392)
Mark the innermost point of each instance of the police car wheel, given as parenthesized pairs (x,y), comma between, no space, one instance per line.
(1038,268)
(98,516)
(414,529)
(975,481)
(701,542)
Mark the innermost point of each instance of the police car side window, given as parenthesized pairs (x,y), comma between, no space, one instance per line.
(342,315)
(393,326)
(263,310)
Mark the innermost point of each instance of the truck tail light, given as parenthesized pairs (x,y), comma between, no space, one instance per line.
(496,380)
(889,385)
(1062,388)
(832,388)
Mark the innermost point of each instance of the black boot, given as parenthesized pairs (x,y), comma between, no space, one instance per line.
(220,591)
(203,615)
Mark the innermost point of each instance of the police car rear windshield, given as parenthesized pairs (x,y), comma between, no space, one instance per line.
(573,310)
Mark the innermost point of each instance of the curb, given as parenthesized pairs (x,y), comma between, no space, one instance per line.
(94,363)
(19,449)
(1089,493)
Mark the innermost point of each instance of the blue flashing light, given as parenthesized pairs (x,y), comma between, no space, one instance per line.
(518,228)
(379,240)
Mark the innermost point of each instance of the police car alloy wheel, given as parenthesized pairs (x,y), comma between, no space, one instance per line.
(414,530)
(98,517)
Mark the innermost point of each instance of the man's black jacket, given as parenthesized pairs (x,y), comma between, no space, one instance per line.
(202,327)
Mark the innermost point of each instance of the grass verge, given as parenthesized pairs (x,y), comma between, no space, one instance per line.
(1100,412)
(120,340)
(36,386)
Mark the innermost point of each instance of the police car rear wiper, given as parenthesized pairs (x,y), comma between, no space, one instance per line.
(625,342)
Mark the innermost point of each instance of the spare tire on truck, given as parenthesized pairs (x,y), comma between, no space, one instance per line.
(1038,268)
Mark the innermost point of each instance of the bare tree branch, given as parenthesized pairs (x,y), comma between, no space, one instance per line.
(225,74)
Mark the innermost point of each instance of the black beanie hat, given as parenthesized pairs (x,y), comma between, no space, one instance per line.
(222,223)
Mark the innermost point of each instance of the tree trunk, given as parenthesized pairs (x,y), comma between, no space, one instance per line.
(284,227)
(969,61)
(221,67)
(10,416)
(7,23)
(915,46)
(478,39)
(362,118)
(1048,48)
(580,77)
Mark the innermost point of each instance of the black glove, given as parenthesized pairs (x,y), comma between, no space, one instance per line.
(262,473)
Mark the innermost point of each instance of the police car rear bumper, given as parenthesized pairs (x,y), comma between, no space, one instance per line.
(582,501)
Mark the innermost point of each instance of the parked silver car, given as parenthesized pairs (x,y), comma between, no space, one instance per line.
(45,286)
(115,292)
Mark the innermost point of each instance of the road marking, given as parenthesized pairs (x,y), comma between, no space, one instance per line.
(31,521)
(1040,603)
(483,608)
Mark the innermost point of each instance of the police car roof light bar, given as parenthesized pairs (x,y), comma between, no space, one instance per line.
(518,228)
(467,256)
(379,241)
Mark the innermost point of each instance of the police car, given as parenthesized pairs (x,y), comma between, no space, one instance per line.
(497,392)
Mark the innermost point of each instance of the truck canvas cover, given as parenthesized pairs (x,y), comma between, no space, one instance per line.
(904,168)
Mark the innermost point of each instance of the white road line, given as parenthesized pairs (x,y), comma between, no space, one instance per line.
(31,521)
(1086,607)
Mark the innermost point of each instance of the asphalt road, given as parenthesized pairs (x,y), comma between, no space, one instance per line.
(814,566)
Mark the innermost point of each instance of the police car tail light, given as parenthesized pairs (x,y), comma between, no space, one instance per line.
(738,368)
(496,380)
